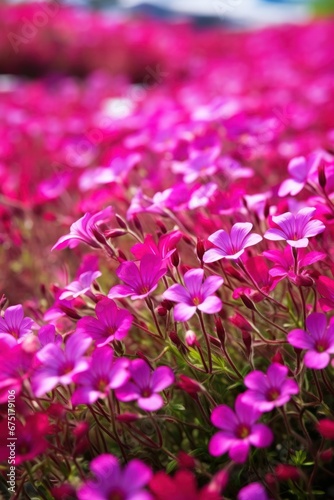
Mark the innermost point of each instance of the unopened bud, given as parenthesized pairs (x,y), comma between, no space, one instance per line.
(247,302)
(185,461)
(167,304)
(127,417)
(121,222)
(175,258)
(326,428)
(322,176)
(247,340)
(200,249)
(162,311)
(214,341)
(285,472)
(115,233)
(174,338)
(220,330)
(191,339)
(137,224)
(98,235)
(190,386)
(326,456)
(278,358)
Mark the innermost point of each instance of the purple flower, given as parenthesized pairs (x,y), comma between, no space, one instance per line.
(139,282)
(82,230)
(164,249)
(111,323)
(80,286)
(318,340)
(196,294)
(14,327)
(231,246)
(267,391)
(112,482)
(254,491)
(58,366)
(295,229)
(239,431)
(144,385)
(104,372)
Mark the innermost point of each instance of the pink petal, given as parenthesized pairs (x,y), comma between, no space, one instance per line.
(183,312)
(135,475)
(177,293)
(219,444)
(162,377)
(277,374)
(256,381)
(238,234)
(316,324)
(211,285)
(153,403)
(224,418)
(119,291)
(274,234)
(316,360)
(300,339)
(213,255)
(302,243)
(239,451)
(211,305)
(222,240)
(193,280)
(261,436)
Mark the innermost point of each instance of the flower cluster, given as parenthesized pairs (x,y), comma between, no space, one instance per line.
(167,259)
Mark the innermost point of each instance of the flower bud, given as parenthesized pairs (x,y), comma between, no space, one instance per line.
(127,417)
(174,338)
(285,472)
(80,429)
(322,176)
(325,427)
(220,330)
(98,235)
(167,304)
(200,249)
(162,311)
(121,222)
(191,339)
(175,258)
(115,233)
(247,302)
(190,386)
(326,456)
(277,358)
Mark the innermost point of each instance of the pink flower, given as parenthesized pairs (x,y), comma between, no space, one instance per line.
(111,481)
(139,282)
(58,366)
(104,373)
(16,366)
(196,294)
(299,169)
(285,263)
(111,324)
(82,230)
(295,229)
(80,286)
(47,335)
(145,385)
(254,491)
(239,431)
(318,340)
(270,390)
(231,246)
(14,327)
(325,287)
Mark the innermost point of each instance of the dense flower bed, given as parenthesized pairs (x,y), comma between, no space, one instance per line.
(167,275)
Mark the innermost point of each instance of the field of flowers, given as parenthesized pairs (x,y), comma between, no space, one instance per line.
(167,289)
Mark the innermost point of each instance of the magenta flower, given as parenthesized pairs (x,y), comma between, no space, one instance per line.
(285,263)
(14,327)
(239,431)
(113,482)
(111,324)
(82,230)
(139,282)
(164,249)
(104,372)
(80,286)
(318,340)
(295,229)
(196,294)
(253,491)
(145,385)
(58,366)
(270,390)
(231,246)
(16,366)
(47,335)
